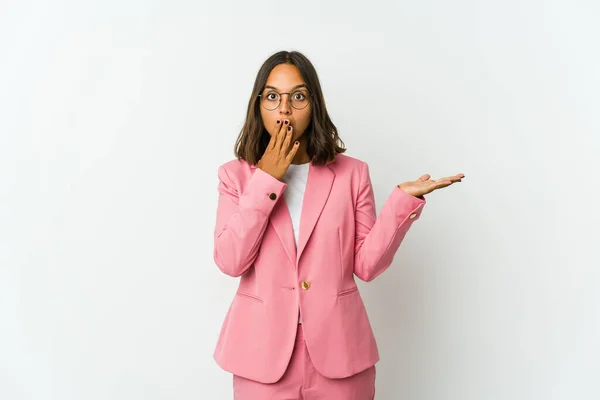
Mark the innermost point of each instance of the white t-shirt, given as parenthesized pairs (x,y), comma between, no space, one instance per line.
(295,177)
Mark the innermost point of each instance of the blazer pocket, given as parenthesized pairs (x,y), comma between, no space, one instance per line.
(250,296)
(348,291)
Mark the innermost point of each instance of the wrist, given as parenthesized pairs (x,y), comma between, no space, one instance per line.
(421,197)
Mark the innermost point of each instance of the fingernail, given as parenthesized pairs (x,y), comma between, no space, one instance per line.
(289,128)
(287,122)
(296,143)
(278,122)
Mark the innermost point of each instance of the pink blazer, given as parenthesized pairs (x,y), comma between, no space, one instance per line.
(340,237)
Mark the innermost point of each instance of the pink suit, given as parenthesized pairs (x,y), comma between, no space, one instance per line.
(340,237)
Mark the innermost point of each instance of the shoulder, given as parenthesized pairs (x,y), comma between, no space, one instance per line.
(348,165)
(235,170)
(235,165)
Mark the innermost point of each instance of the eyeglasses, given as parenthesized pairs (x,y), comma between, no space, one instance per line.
(271,99)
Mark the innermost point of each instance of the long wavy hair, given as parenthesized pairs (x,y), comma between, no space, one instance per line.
(322,140)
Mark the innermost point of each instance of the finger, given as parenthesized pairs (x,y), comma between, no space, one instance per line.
(425,177)
(450,178)
(288,138)
(285,123)
(280,134)
(442,183)
(290,156)
(457,177)
(273,139)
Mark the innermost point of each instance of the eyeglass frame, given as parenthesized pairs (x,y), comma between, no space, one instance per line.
(289,96)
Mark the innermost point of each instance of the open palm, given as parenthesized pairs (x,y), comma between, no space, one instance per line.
(425,184)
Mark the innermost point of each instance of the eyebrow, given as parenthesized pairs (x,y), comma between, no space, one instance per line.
(292,89)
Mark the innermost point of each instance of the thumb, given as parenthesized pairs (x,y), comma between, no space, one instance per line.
(425,177)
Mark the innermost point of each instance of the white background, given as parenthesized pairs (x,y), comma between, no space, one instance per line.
(114,116)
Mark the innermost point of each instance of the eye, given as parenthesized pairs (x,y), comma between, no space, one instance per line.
(271,96)
(299,96)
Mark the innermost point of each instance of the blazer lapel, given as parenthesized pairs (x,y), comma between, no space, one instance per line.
(318,186)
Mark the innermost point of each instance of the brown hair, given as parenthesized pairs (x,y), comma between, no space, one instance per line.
(322,139)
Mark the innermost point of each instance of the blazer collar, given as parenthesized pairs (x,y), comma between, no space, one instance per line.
(318,186)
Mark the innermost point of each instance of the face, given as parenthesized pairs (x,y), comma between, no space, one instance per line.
(286,78)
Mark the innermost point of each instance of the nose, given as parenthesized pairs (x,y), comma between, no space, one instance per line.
(284,106)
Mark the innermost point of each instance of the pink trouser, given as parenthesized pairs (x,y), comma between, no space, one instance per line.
(301,381)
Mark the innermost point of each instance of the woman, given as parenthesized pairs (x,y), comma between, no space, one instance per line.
(296,220)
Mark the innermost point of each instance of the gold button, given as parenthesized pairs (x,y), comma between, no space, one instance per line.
(413,215)
(305,285)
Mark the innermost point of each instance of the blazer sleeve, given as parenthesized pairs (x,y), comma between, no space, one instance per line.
(378,238)
(242,219)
